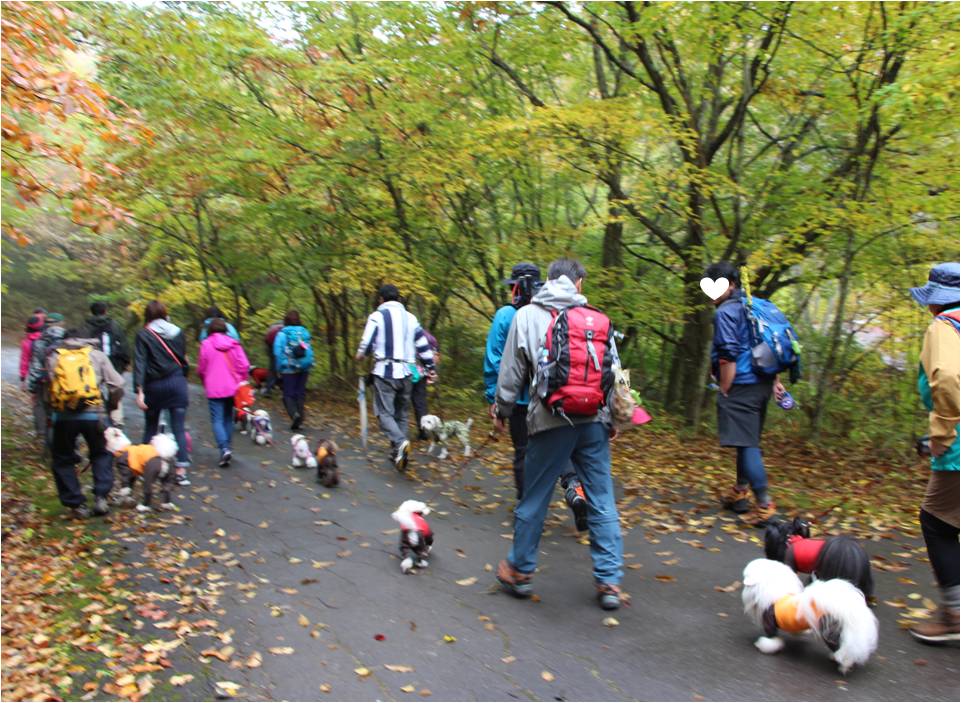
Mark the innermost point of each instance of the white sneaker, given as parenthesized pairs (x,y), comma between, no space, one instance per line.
(403,452)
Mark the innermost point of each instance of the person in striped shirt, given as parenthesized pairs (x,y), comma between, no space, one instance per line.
(395,339)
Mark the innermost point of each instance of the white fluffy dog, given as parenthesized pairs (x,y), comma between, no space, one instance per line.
(416,537)
(440,432)
(151,461)
(834,611)
(303,458)
(261,430)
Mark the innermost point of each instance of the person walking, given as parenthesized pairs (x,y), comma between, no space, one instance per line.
(556,438)
(37,376)
(395,339)
(272,375)
(113,343)
(34,330)
(419,383)
(524,282)
(213,313)
(938,385)
(294,357)
(222,365)
(742,400)
(79,407)
(160,379)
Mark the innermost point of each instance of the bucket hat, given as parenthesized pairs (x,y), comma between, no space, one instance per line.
(942,287)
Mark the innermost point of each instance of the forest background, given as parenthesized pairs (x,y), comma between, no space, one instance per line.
(273,155)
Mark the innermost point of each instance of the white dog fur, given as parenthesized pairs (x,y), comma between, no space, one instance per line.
(440,432)
(302,456)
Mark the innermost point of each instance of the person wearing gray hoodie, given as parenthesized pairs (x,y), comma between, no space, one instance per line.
(555,442)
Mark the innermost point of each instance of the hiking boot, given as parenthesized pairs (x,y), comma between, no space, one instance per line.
(80,512)
(943,627)
(609,596)
(760,515)
(402,455)
(736,499)
(577,502)
(296,422)
(516,583)
(225,457)
(100,506)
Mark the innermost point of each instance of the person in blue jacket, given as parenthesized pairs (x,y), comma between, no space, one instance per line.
(212,313)
(741,400)
(294,357)
(524,282)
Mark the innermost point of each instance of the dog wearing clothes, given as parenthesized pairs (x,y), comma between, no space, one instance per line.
(439,432)
(302,456)
(834,611)
(151,461)
(261,430)
(416,537)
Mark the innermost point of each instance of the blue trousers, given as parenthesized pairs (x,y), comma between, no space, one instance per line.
(750,469)
(549,453)
(222,420)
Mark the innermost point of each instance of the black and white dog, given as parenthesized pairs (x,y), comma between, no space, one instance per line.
(439,432)
(416,537)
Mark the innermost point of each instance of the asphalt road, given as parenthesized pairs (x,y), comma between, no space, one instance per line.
(680,639)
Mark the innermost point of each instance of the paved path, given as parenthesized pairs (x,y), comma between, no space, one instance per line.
(681,639)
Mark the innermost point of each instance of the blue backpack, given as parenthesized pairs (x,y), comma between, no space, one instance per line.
(775,347)
(298,351)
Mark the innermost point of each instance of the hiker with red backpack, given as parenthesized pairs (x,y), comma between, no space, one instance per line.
(753,342)
(567,349)
(938,385)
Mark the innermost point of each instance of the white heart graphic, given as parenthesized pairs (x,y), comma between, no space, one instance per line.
(714,289)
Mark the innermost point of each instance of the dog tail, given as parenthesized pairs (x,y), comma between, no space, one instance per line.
(840,617)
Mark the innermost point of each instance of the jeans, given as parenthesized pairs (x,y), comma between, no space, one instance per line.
(518,427)
(750,469)
(178,418)
(65,432)
(222,420)
(587,447)
(391,400)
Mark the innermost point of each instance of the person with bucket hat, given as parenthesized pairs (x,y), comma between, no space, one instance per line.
(938,385)
(525,281)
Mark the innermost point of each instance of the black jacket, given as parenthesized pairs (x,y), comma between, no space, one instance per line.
(115,346)
(153,362)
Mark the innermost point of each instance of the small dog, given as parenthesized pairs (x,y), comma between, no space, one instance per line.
(416,537)
(837,557)
(151,461)
(439,432)
(303,457)
(327,471)
(835,611)
(261,431)
(243,407)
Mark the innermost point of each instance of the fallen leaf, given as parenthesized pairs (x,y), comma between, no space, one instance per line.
(920,662)
(509,659)
(362,671)
(303,620)
(280,650)
(467,582)
(610,622)
(730,588)
(226,689)
(321,564)
(547,676)
(379,637)
(181,679)
(264,524)
(254,660)
(449,639)
(409,688)
(325,688)
(399,668)
(665,578)
(424,692)
(295,560)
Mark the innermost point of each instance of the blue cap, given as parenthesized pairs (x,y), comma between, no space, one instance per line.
(943,286)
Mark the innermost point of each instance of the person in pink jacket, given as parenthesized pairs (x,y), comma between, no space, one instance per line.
(222,366)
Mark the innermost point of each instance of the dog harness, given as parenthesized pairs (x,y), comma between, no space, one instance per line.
(137,456)
(804,552)
(321,453)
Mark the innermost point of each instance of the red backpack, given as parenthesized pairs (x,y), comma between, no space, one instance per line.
(577,369)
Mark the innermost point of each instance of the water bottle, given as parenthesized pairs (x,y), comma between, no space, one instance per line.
(786,402)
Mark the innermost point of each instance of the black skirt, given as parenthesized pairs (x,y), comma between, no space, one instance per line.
(740,414)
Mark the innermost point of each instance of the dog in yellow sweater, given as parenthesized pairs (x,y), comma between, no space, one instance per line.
(152,462)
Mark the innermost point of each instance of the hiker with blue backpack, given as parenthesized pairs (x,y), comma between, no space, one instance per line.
(294,357)
(753,343)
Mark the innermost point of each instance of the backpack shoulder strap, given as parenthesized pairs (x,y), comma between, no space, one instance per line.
(953,318)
